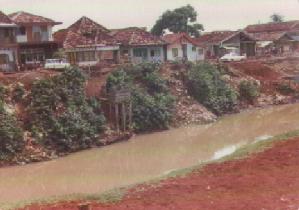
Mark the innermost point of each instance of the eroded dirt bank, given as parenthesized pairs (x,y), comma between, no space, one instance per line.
(268,180)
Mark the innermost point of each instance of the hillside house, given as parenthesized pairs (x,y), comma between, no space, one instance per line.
(34,38)
(218,43)
(275,38)
(8,44)
(88,43)
(182,47)
(138,45)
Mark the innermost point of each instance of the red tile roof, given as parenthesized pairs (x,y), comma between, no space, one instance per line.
(214,37)
(217,37)
(4,19)
(84,32)
(135,36)
(178,38)
(269,36)
(27,18)
(271,27)
(59,36)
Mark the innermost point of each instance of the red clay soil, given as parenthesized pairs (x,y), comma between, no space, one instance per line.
(268,180)
(257,70)
(27,77)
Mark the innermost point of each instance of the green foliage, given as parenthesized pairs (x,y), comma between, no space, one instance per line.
(178,20)
(11,135)
(285,89)
(151,99)
(18,93)
(206,86)
(151,112)
(61,115)
(249,90)
(3,92)
(276,18)
(118,80)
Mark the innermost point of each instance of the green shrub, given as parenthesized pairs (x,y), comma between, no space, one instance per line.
(3,92)
(206,86)
(151,98)
(118,80)
(11,134)
(151,112)
(285,89)
(18,93)
(61,114)
(249,90)
(154,83)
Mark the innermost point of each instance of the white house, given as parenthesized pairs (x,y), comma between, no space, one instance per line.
(139,45)
(182,46)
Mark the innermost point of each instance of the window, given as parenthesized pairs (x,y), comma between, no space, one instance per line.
(155,53)
(86,56)
(140,52)
(44,28)
(22,31)
(175,52)
(200,51)
(125,52)
(193,48)
(7,33)
(4,59)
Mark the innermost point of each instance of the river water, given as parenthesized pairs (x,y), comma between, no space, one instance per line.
(144,157)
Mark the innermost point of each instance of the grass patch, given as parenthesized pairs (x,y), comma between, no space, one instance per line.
(111,196)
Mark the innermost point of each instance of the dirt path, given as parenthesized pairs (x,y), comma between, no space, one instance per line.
(268,180)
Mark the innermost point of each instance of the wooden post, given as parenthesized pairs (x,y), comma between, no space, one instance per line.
(124,116)
(110,112)
(130,114)
(117,117)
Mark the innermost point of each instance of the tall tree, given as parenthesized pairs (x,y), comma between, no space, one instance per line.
(276,18)
(182,19)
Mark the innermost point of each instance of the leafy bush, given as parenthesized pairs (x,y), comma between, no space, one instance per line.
(151,112)
(11,135)
(151,99)
(118,80)
(285,89)
(206,86)
(249,90)
(3,92)
(18,93)
(61,114)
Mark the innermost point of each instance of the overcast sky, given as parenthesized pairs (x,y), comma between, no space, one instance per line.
(213,14)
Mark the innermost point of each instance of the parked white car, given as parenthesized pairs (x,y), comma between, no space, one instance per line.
(233,57)
(56,64)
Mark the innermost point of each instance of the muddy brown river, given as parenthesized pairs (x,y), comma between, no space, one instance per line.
(143,157)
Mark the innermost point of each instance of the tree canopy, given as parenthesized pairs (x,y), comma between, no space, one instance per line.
(276,18)
(182,19)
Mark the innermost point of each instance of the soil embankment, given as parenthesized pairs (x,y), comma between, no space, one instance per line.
(267,180)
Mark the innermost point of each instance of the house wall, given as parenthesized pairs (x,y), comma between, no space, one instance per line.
(92,56)
(11,64)
(7,36)
(158,55)
(170,56)
(45,34)
(191,55)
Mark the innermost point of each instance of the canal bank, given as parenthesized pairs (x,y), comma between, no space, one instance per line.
(143,157)
(262,175)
